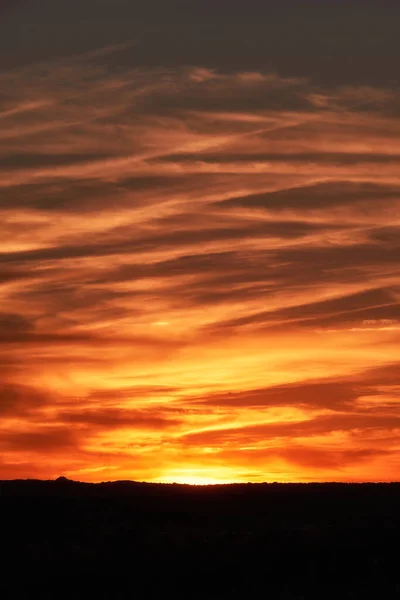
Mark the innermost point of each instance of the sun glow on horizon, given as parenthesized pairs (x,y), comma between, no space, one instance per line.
(198,477)
(194,480)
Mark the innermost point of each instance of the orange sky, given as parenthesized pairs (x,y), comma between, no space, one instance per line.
(199,276)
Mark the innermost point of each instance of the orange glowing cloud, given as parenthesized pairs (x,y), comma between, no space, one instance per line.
(198,276)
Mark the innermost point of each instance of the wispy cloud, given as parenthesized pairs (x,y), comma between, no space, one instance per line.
(198,272)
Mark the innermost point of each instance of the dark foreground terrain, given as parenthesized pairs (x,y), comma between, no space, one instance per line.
(133,540)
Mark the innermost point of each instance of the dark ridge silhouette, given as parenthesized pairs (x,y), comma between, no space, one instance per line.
(279,541)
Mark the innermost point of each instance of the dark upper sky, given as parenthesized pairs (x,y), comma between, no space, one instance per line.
(332,41)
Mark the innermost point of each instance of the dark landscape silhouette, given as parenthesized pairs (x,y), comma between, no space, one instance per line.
(329,540)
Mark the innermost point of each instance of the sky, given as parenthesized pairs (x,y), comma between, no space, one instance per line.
(200,240)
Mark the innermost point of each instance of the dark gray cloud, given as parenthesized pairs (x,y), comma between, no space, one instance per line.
(333,41)
(295,159)
(18,400)
(335,395)
(321,196)
(369,305)
(318,458)
(33,160)
(113,418)
(13,323)
(45,440)
(319,426)
(175,239)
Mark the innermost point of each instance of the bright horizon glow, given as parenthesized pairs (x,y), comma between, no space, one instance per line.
(197,480)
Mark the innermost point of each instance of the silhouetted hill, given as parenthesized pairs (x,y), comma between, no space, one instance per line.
(64,486)
(235,541)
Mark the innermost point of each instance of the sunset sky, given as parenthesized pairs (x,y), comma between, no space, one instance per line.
(200,240)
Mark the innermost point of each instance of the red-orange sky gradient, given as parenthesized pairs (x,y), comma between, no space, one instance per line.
(199,275)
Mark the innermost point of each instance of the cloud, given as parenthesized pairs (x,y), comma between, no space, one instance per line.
(45,440)
(362,308)
(320,426)
(321,196)
(114,418)
(315,458)
(197,267)
(282,36)
(333,395)
(20,400)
